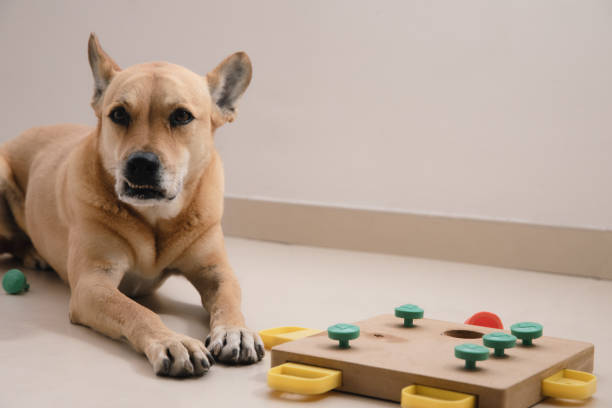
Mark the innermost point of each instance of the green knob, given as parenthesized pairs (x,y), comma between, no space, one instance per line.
(471,353)
(343,332)
(14,282)
(499,341)
(527,331)
(409,312)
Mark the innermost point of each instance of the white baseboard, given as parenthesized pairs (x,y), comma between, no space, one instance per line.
(565,250)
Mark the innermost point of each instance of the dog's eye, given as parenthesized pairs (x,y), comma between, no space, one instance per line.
(180,117)
(120,116)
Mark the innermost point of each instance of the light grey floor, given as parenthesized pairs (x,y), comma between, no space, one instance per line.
(45,361)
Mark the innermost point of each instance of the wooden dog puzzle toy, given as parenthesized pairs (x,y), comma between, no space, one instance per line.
(417,364)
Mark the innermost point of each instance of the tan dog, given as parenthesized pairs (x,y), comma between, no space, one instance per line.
(118,208)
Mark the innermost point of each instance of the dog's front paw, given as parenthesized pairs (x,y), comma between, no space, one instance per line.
(33,260)
(235,345)
(175,355)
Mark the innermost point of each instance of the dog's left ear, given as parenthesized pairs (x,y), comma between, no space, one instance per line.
(103,68)
(226,84)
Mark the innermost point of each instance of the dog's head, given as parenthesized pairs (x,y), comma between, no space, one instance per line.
(156,121)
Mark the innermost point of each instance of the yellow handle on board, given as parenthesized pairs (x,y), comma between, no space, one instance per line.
(280,335)
(420,396)
(303,379)
(570,384)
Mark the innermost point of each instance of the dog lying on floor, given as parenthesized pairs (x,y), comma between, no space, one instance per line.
(118,208)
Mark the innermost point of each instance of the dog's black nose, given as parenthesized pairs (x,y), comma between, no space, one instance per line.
(142,169)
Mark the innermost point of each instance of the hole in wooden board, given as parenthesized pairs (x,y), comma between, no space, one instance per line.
(463,334)
(378,335)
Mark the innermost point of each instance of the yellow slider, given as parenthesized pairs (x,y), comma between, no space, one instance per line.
(570,384)
(420,396)
(303,379)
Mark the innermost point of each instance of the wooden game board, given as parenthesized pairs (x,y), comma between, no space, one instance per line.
(388,357)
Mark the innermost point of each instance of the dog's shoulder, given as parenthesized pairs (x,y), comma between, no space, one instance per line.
(41,145)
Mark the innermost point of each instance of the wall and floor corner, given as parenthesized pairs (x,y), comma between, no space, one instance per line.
(565,250)
(470,131)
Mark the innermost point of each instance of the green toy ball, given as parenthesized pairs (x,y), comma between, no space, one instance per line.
(14,282)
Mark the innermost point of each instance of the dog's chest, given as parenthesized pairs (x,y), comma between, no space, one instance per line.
(135,284)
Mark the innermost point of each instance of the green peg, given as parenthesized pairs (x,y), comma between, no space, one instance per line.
(14,282)
(408,313)
(471,353)
(343,332)
(527,331)
(499,341)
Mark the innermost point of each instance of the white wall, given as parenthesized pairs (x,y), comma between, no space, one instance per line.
(494,109)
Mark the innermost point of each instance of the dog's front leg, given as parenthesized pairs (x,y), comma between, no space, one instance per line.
(96,302)
(206,266)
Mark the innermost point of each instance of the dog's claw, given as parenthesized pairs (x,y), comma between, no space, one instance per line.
(211,358)
(260,350)
(165,367)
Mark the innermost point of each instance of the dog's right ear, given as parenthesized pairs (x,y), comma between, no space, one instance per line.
(103,68)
